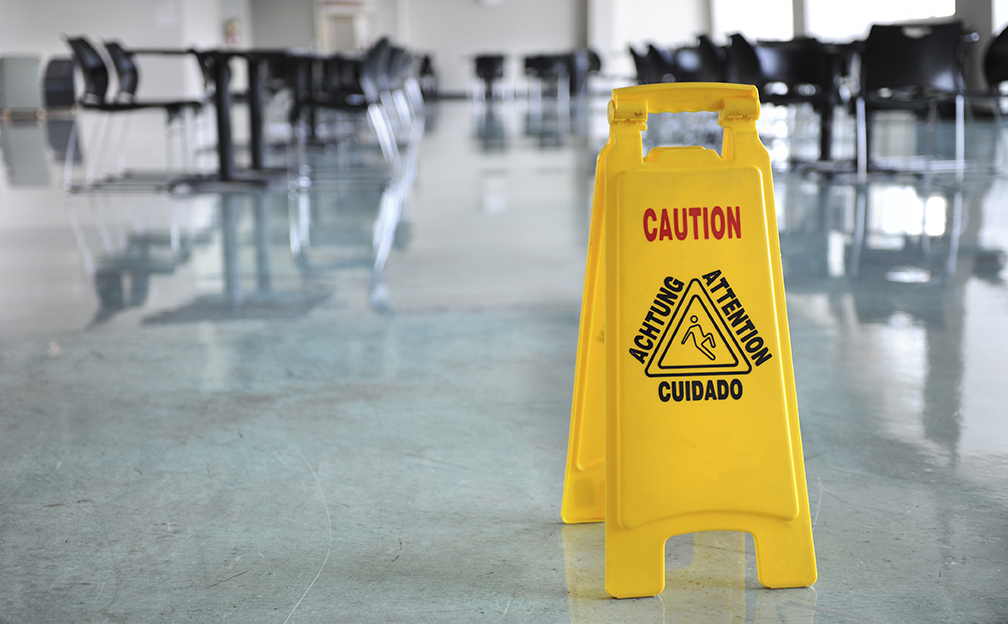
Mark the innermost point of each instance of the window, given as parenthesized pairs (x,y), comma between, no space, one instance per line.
(851,19)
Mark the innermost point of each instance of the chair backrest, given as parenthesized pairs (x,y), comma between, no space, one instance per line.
(489,66)
(703,63)
(795,62)
(400,64)
(546,66)
(916,57)
(743,63)
(662,62)
(126,71)
(996,60)
(92,66)
(581,63)
(343,74)
(383,75)
(645,73)
(371,69)
(59,83)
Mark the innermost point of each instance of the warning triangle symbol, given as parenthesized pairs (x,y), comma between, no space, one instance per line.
(697,340)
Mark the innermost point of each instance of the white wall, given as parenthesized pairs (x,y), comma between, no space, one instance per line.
(614,25)
(283,23)
(1000,15)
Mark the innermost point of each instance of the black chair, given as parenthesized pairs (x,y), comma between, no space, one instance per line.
(912,67)
(129,80)
(427,76)
(96,83)
(789,73)
(794,71)
(59,86)
(704,62)
(646,73)
(581,65)
(489,69)
(996,61)
(743,63)
(549,72)
(382,87)
(996,72)
(663,64)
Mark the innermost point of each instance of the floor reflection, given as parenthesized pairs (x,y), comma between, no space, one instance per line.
(705,580)
(306,237)
(894,258)
(139,345)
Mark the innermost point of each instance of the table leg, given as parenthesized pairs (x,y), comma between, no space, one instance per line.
(826,132)
(222,103)
(255,111)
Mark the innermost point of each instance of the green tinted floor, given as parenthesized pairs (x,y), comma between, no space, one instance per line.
(197,424)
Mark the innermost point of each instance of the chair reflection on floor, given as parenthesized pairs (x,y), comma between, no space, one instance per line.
(385,91)
(906,234)
(131,247)
(491,131)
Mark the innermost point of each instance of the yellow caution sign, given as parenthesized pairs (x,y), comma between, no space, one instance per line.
(684,415)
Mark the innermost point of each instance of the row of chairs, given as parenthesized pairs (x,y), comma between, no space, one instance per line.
(352,122)
(382,89)
(560,75)
(97,97)
(912,67)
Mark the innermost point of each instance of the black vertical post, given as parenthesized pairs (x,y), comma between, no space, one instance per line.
(222,102)
(255,63)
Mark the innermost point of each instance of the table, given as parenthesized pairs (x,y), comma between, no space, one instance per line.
(217,62)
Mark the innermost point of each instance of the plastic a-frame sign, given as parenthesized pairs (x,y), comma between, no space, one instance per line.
(684,415)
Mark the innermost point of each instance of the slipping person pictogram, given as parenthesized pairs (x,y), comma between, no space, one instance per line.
(708,339)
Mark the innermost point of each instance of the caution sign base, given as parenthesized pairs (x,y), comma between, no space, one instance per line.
(684,416)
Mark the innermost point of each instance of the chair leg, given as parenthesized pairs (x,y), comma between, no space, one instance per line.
(89,175)
(68,161)
(121,151)
(402,109)
(956,233)
(383,231)
(169,152)
(999,143)
(201,118)
(386,137)
(960,137)
(395,122)
(862,140)
(109,130)
(184,138)
(932,128)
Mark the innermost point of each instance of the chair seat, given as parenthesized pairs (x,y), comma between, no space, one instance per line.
(919,101)
(175,105)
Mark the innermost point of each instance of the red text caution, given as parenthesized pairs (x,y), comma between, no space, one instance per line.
(696,223)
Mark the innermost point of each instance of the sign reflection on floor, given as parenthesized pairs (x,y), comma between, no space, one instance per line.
(705,580)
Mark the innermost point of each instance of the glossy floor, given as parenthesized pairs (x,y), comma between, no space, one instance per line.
(211,407)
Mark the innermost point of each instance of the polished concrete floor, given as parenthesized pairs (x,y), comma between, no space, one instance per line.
(213,408)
